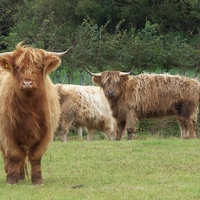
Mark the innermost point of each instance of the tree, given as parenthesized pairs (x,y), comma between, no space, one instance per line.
(8,8)
(118,35)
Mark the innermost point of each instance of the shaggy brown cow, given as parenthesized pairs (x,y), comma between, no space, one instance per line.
(85,106)
(133,98)
(29,109)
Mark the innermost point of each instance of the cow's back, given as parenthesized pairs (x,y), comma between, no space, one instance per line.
(87,99)
(151,95)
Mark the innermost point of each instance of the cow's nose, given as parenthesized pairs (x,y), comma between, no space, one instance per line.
(110,92)
(27,84)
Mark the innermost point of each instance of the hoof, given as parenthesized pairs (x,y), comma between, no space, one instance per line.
(22,176)
(13,179)
(37,179)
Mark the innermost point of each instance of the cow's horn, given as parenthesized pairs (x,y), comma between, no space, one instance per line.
(5,54)
(92,74)
(124,73)
(60,54)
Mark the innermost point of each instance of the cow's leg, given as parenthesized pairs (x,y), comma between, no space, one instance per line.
(13,158)
(36,173)
(64,135)
(64,130)
(131,124)
(120,129)
(80,132)
(187,117)
(15,168)
(7,168)
(13,173)
(90,133)
(193,123)
(184,126)
(35,155)
(130,133)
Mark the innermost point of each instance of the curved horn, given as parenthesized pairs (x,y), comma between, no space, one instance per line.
(5,54)
(124,73)
(93,74)
(60,54)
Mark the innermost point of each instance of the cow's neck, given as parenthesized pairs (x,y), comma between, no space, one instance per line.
(32,101)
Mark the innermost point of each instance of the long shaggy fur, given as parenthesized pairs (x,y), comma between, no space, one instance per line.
(27,120)
(85,106)
(151,95)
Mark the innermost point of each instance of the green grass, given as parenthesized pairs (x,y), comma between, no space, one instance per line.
(153,168)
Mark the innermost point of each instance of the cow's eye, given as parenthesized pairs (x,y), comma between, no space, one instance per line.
(103,85)
(16,67)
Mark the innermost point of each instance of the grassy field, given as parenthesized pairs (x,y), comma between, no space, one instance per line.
(151,168)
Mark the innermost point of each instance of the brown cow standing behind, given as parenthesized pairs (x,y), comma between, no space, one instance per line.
(133,98)
(85,106)
(29,109)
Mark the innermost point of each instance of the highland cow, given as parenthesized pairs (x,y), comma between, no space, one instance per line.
(29,109)
(85,106)
(133,98)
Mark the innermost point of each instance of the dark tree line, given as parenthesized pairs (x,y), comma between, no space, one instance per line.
(147,35)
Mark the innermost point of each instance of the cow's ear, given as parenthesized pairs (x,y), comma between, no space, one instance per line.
(51,63)
(97,79)
(5,63)
(124,78)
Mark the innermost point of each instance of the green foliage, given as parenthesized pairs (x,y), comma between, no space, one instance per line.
(8,9)
(158,127)
(117,35)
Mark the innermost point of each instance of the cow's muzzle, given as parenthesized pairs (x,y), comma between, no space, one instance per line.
(110,93)
(27,84)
